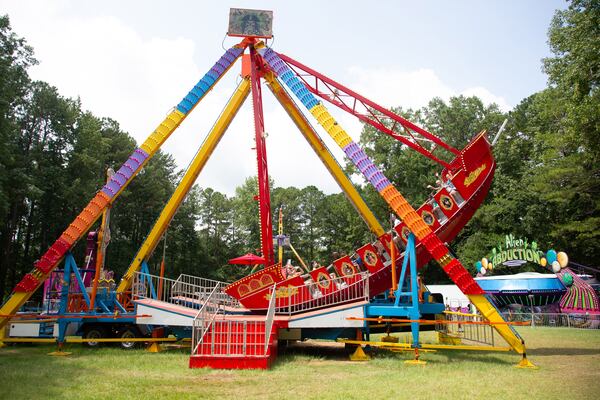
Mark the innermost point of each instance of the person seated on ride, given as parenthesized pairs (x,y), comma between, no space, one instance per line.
(288,270)
(297,272)
(452,189)
(315,265)
(313,288)
(438,184)
(383,255)
(400,246)
(448,182)
(456,196)
(356,260)
(437,211)
(339,283)
(421,287)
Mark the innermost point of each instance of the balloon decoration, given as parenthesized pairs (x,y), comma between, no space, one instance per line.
(551,256)
(568,279)
(543,261)
(482,271)
(556,267)
(562,259)
(484,262)
(490,266)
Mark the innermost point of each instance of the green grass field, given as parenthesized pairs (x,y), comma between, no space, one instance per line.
(569,362)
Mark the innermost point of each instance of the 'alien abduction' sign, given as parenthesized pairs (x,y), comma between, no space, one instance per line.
(515,252)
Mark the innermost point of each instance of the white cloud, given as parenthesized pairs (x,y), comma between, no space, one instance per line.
(411,89)
(113,70)
(487,97)
(136,79)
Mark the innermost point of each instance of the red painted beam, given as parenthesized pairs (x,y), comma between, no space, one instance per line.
(264,194)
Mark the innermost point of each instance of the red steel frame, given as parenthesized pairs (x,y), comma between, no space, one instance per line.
(368,111)
(264,197)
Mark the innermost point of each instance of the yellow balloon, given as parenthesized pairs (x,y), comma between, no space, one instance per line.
(484,262)
(563,259)
(543,261)
(490,266)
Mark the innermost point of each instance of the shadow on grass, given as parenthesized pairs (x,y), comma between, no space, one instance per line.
(335,352)
(309,349)
(560,351)
(480,356)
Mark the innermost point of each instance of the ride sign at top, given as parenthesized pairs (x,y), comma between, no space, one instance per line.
(250,23)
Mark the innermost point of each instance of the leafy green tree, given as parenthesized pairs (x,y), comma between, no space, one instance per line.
(15,58)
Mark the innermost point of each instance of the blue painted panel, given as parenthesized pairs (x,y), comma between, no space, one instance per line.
(501,284)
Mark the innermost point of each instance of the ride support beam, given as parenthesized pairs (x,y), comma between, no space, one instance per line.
(438,250)
(185,185)
(335,93)
(109,193)
(264,194)
(321,150)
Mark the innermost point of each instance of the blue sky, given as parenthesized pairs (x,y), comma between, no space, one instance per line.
(134,60)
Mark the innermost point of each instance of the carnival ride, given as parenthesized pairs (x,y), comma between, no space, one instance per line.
(237,325)
(565,290)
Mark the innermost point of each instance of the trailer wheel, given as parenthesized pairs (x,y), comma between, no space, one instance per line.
(129,333)
(93,332)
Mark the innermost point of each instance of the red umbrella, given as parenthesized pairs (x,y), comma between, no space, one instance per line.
(248,259)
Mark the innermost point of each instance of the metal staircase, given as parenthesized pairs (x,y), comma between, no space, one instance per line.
(222,340)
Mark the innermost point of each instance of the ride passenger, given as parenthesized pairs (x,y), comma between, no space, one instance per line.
(339,284)
(288,270)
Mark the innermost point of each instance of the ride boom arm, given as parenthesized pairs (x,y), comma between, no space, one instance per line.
(108,194)
(198,163)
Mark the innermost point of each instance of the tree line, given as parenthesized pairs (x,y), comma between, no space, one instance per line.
(54,156)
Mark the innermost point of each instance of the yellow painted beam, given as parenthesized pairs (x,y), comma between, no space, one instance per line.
(464,347)
(324,155)
(81,340)
(188,180)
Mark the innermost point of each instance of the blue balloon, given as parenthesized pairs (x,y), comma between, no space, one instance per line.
(551,256)
(478,265)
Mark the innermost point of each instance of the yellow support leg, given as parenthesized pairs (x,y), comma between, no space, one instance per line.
(359,355)
(417,360)
(526,364)
(60,352)
(188,180)
(155,347)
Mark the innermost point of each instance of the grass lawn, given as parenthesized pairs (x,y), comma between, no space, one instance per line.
(569,362)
